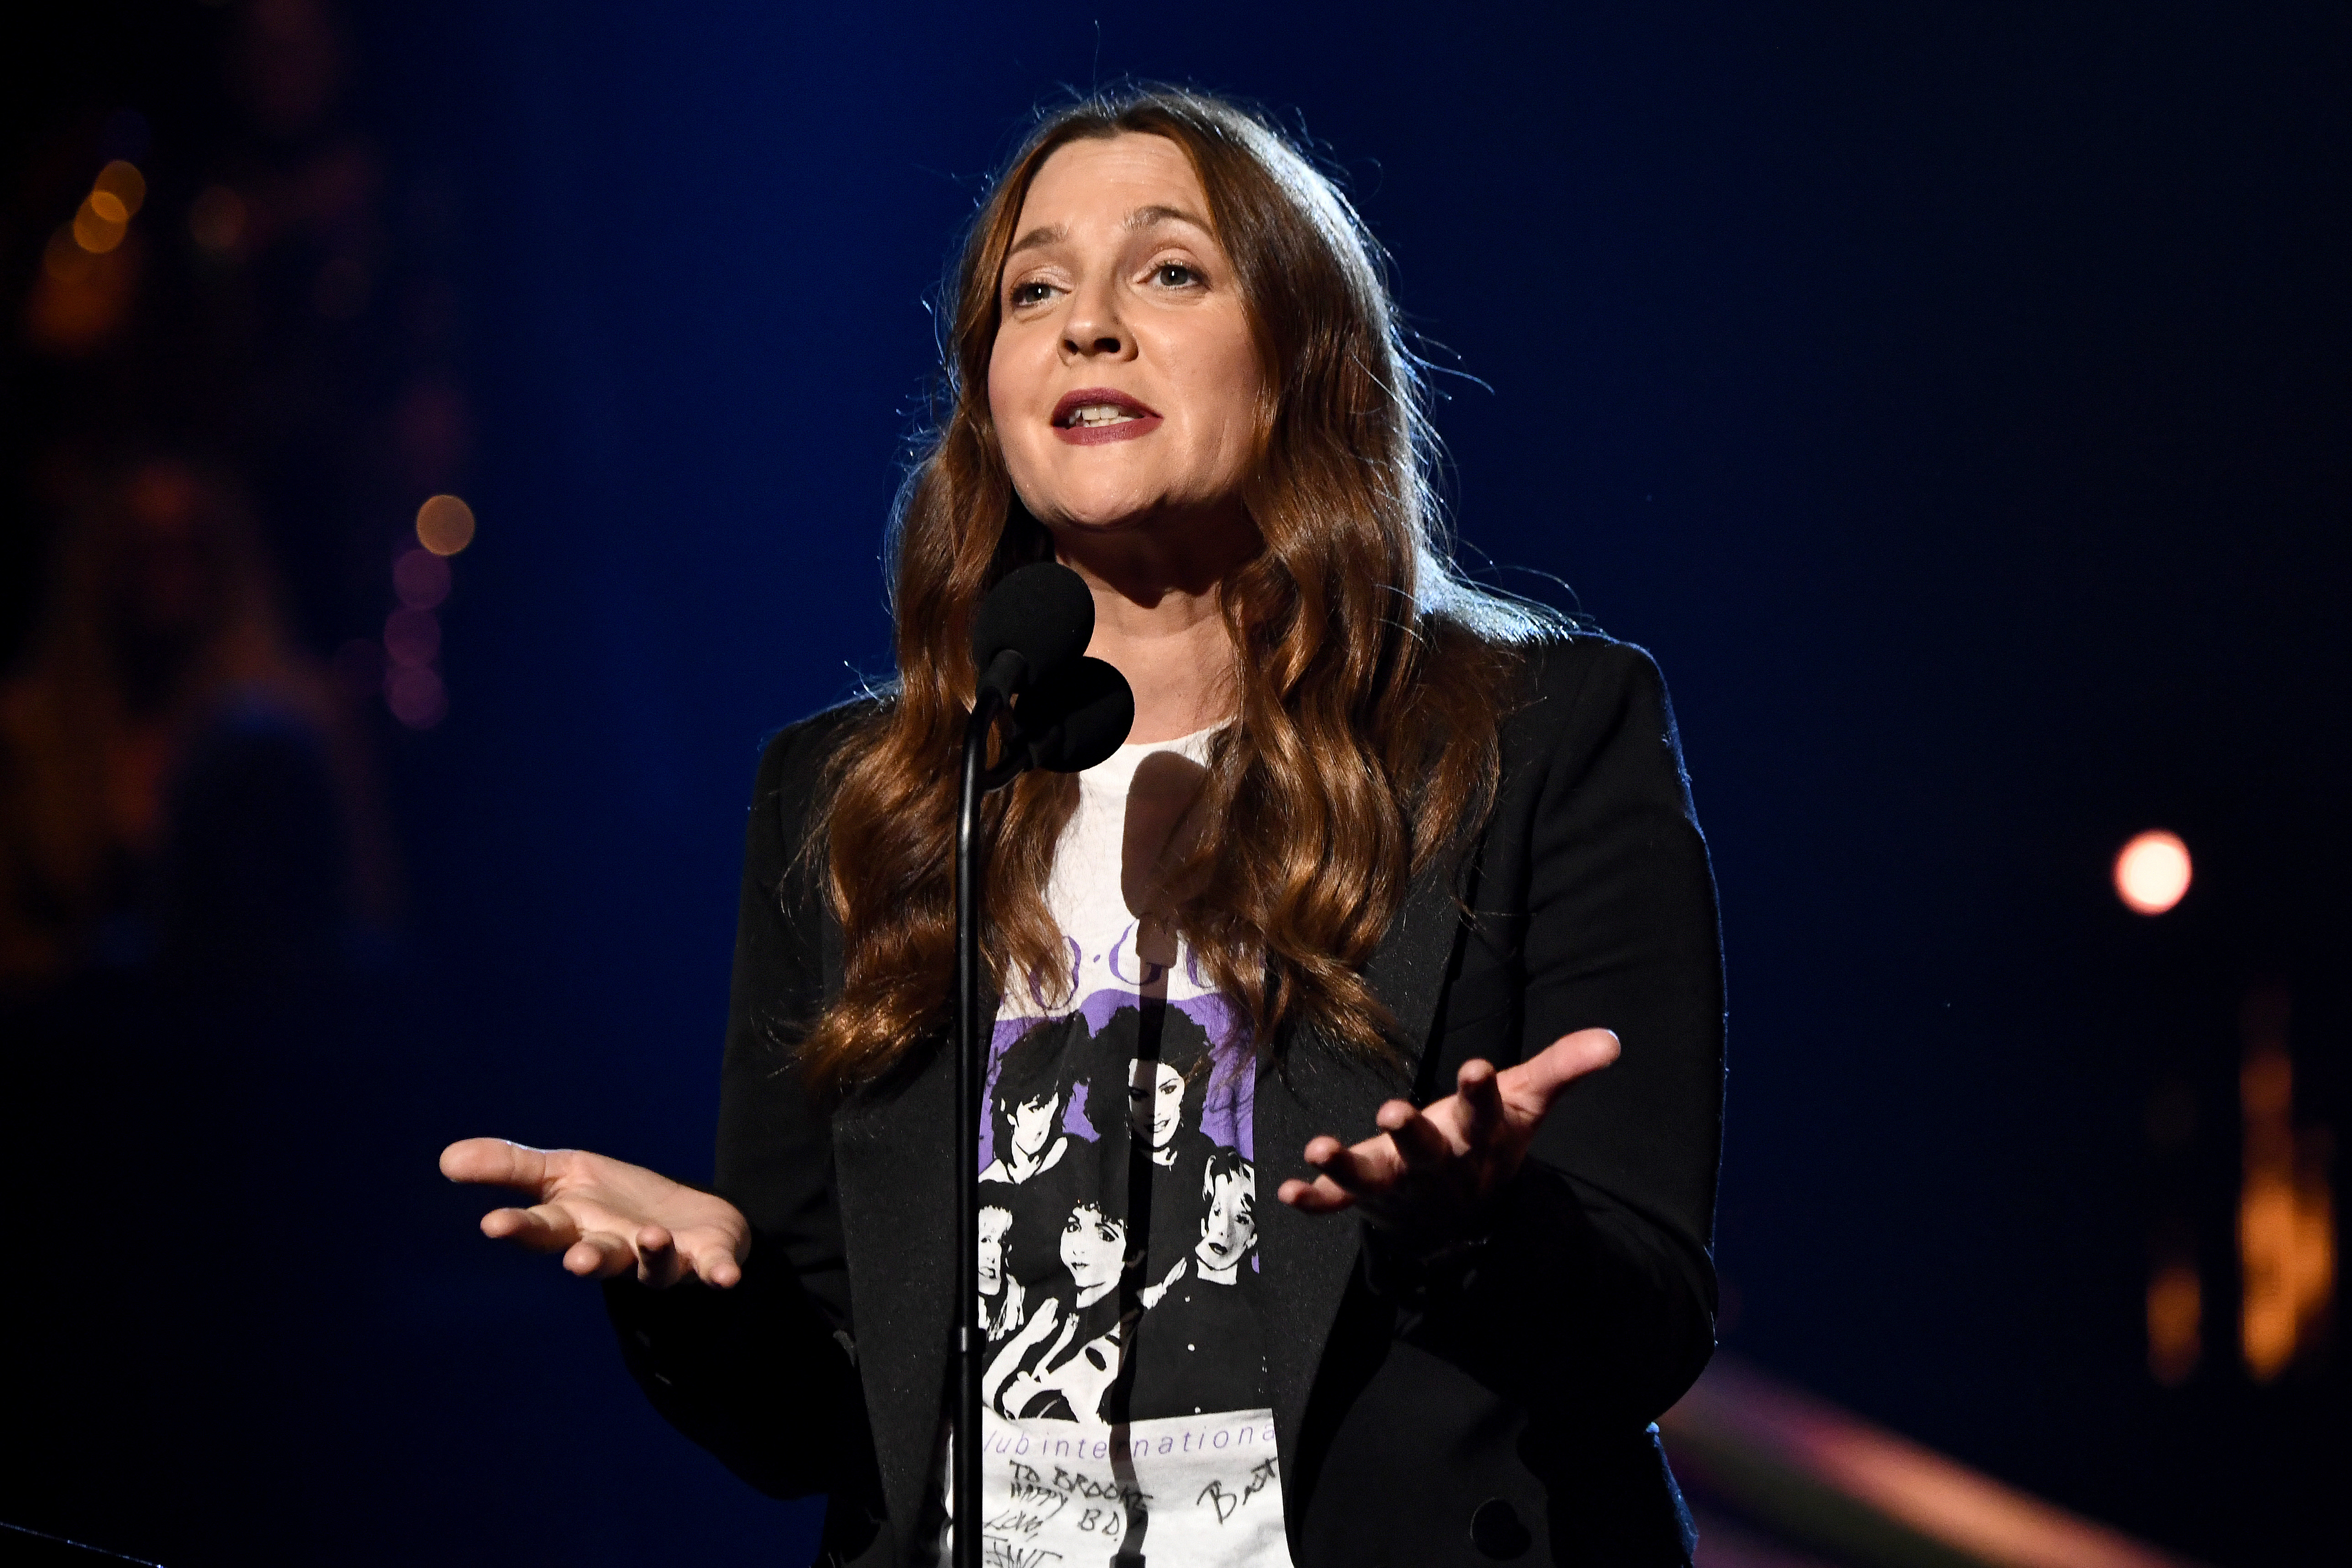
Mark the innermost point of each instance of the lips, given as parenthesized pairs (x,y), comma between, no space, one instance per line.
(1093,416)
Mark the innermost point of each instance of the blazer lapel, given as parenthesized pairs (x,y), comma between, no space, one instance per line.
(894,1148)
(1315,1088)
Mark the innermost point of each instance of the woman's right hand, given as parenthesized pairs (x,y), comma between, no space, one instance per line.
(604,1215)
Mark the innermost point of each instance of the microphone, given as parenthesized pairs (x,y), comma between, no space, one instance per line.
(1069,712)
(1074,717)
(1034,621)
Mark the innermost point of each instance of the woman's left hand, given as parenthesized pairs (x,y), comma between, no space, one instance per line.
(1429,1173)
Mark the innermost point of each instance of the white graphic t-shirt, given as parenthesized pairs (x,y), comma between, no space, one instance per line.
(1124,1376)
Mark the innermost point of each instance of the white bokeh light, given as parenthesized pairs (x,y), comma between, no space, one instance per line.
(2152,871)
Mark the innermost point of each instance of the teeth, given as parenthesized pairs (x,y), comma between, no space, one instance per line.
(1101,414)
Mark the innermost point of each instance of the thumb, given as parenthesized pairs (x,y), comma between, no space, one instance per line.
(1530,1087)
(496,1163)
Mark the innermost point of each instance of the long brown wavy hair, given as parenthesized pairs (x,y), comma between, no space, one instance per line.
(1370,678)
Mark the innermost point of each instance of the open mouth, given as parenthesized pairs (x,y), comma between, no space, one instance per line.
(1099,408)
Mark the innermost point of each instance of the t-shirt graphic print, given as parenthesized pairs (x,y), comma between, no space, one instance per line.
(1124,1377)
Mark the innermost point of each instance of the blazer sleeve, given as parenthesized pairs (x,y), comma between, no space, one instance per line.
(1593,1289)
(764,1375)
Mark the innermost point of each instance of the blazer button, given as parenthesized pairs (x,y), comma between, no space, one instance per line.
(1495,1529)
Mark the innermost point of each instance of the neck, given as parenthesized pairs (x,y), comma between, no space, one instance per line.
(1158,615)
(1215,1276)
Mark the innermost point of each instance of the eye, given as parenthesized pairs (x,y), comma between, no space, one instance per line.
(1025,294)
(1175,275)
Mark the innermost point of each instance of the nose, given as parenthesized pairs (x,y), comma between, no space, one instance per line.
(1092,328)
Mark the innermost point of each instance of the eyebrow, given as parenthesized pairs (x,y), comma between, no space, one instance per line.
(1144,217)
(1039,238)
(1141,219)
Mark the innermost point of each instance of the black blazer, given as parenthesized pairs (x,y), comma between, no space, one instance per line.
(1495,1407)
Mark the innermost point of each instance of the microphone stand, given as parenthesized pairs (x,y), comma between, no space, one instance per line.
(972,1071)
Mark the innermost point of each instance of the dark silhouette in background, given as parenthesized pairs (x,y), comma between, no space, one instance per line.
(1957,404)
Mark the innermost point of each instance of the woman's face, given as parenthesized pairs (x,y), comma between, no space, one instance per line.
(1092,1247)
(990,1265)
(1124,384)
(1033,1125)
(1155,1101)
(1231,1225)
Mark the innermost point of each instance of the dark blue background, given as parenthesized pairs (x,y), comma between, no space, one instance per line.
(1955,403)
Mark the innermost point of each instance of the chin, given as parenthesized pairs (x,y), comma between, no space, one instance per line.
(1105,516)
(1103,505)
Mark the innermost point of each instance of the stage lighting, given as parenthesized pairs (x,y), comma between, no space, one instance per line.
(445,524)
(2152,872)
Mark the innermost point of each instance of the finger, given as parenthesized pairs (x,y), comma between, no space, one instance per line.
(1420,1146)
(1529,1088)
(1321,1195)
(540,1228)
(495,1161)
(715,1264)
(1481,1099)
(1369,1169)
(658,1262)
(599,1255)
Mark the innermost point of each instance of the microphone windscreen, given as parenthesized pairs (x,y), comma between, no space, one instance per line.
(1076,717)
(1041,613)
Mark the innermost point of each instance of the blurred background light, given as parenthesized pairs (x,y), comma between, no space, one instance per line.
(2286,1202)
(217,219)
(122,182)
(98,231)
(421,579)
(415,697)
(2175,1311)
(2152,871)
(445,524)
(63,258)
(413,637)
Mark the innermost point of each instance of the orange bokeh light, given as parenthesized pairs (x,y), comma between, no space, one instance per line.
(2152,871)
(2176,1309)
(94,230)
(445,524)
(122,183)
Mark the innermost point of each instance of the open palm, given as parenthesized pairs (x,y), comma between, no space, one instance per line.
(605,1215)
(1430,1172)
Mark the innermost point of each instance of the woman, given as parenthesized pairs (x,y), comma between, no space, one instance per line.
(1002,1303)
(1430,833)
(1063,1364)
(1035,1078)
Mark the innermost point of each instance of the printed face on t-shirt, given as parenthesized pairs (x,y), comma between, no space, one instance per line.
(1093,1248)
(1155,1101)
(1229,1228)
(993,1223)
(1033,1125)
